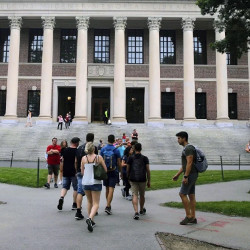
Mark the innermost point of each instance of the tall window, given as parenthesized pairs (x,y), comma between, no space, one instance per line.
(2,102)
(135,46)
(102,45)
(167,47)
(231,59)
(68,45)
(4,45)
(200,47)
(200,106)
(36,45)
(34,102)
(167,105)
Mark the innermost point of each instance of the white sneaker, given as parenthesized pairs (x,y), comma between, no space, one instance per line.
(60,183)
(129,198)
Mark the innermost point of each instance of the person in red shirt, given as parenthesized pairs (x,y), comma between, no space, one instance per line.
(53,160)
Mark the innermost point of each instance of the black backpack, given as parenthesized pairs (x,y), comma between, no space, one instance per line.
(137,169)
(79,154)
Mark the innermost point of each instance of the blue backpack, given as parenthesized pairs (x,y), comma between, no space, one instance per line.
(109,158)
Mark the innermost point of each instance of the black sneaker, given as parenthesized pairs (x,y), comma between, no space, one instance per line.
(143,211)
(47,185)
(96,214)
(55,185)
(108,210)
(79,216)
(193,221)
(185,221)
(93,224)
(90,225)
(136,216)
(74,206)
(60,204)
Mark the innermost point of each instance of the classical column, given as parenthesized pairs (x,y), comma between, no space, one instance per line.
(154,118)
(81,70)
(47,61)
(221,84)
(119,72)
(188,62)
(13,66)
(249,82)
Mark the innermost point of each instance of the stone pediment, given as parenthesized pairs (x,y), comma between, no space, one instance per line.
(101,71)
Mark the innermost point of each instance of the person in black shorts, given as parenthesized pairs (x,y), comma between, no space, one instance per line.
(69,165)
(187,192)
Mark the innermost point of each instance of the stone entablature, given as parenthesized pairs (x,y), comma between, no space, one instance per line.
(170,9)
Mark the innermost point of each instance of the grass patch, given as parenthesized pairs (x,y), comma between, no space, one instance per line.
(159,179)
(231,208)
(26,177)
(163,179)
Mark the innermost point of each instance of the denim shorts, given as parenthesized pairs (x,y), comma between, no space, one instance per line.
(79,184)
(94,187)
(112,179)
(190,187)
(68,180)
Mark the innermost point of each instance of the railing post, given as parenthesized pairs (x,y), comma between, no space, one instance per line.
(239,161)
(38,166)
(221,164)
(11,160)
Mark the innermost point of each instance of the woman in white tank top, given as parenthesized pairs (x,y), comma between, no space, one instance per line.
(91,187)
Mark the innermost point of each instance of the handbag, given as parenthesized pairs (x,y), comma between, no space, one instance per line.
(99,172)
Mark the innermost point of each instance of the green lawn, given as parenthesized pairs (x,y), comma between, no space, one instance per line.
(23,176)
(159,179)
(163,179)
(231,208)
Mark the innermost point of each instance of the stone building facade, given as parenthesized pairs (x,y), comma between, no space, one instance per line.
(146,61)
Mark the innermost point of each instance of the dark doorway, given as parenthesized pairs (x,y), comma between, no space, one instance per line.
(200,106)
(100,101)
(2,102)
(66,101)
(232,106)
(168,105)
(135,105)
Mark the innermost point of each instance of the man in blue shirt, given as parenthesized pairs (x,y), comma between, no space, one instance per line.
(112,158)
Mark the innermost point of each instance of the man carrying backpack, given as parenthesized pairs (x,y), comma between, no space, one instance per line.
(112,160)
(139,175)
(187,192)
(80,193)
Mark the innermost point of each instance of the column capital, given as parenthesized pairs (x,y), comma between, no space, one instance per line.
(154,23)
(120,23)
(48,22)
(82,22)
(188,23)
(15,22)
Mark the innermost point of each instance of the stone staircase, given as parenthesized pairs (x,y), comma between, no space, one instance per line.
(159,144)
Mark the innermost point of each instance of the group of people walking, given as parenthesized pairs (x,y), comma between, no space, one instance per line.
(77,169)
(67,120)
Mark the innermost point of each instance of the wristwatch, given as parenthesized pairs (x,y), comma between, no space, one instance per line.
(185,176)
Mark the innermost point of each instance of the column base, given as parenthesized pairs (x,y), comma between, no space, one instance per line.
(223,123)
(43,120)
(190,122)
(10,119)
(119,121)
(80,120)
(154,122)
(248,123)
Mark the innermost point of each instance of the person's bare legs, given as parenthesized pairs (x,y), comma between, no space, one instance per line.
(95,203)
(90,201)
(135,202)
(192,205)
(186,204)
(109,195)
(79,201)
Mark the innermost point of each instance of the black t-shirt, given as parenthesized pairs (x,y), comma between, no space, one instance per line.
(69,155)
(80,153)
(135,136)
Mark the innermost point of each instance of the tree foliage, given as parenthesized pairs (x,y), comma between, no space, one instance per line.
(234,18)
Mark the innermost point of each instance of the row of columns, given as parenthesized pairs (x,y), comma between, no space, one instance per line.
(119,71)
